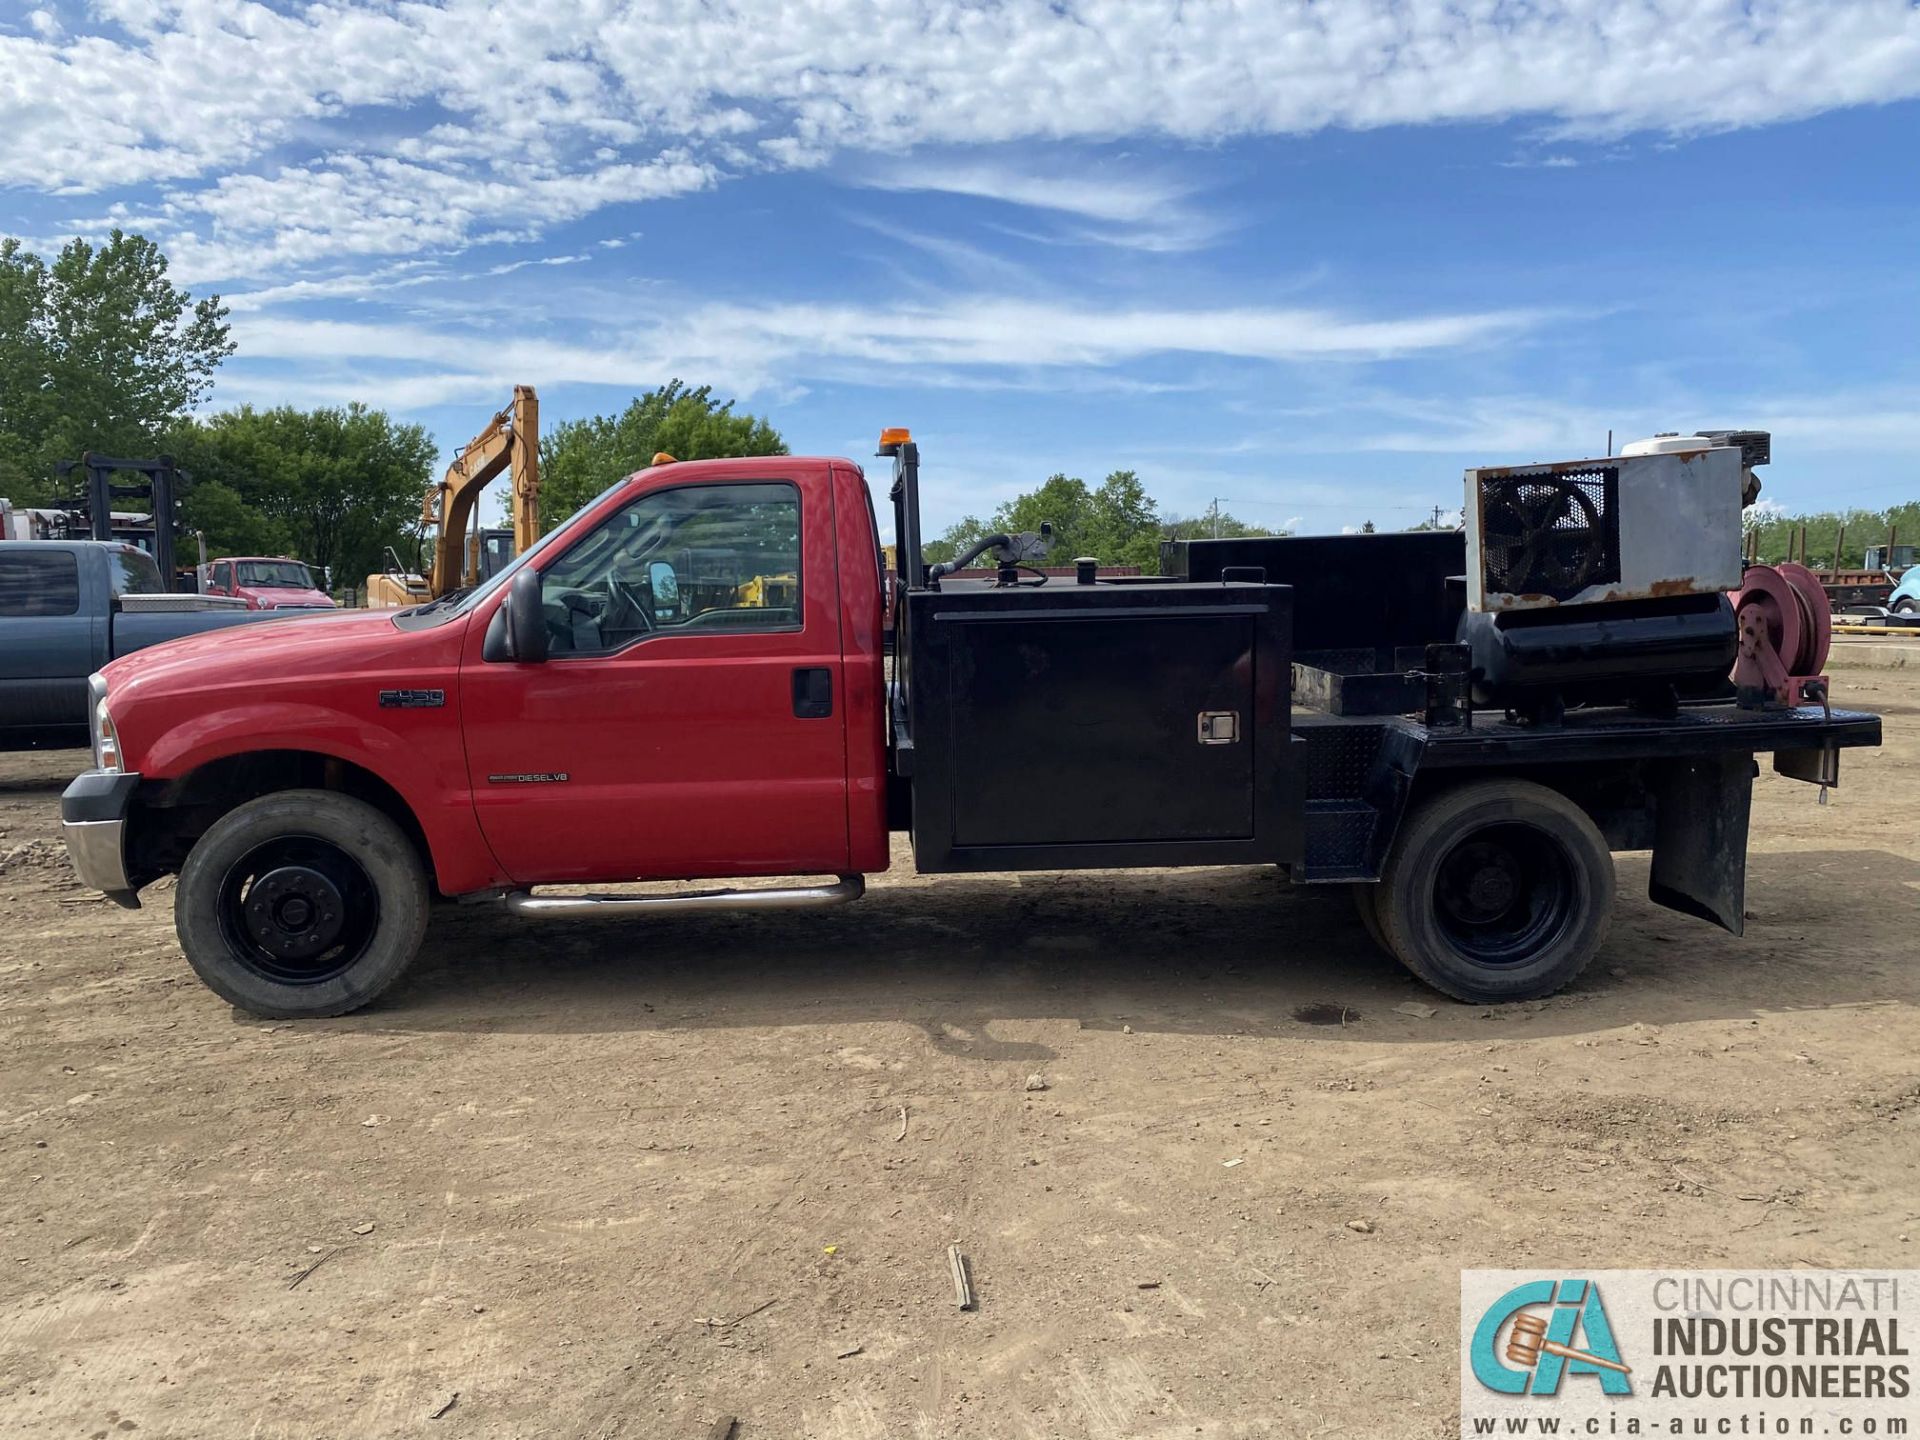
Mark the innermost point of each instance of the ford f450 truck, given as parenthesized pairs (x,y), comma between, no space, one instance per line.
(686,681)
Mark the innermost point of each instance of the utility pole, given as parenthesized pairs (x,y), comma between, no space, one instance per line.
(1216,517)
(1436,517)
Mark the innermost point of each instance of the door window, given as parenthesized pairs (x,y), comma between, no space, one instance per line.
(133,572)
(39,584)
(713,559)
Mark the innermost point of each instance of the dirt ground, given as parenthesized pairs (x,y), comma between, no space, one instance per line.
(620,1180)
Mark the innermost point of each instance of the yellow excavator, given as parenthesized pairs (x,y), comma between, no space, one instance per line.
(464,556)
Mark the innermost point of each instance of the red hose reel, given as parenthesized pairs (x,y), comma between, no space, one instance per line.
(1786,630)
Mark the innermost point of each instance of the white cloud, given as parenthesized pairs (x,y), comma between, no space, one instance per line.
(1545,162)
(340,128)
(1145,210)
(402,274)
(1879,419)
(1128,199)
(248,224)
(751,350)
(512,265)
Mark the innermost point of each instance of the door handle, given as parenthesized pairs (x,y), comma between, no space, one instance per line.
(813,693)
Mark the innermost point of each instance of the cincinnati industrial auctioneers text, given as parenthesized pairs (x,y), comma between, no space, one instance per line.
(1767,1344)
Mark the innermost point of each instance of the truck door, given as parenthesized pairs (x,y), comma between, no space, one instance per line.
(689,721)
(51,641)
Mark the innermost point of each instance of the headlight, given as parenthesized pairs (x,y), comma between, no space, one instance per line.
(106,741)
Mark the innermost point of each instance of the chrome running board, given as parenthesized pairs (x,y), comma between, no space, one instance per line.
(568,907)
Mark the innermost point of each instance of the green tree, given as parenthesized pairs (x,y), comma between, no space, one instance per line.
(1779,534)
(333,487)
(1061,501)
(1214,525)
(1117,522)
(580,458)
(1123,524)
(98,351)
(956,539)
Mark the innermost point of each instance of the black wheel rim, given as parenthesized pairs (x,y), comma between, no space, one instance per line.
(298,910)
(1504,893)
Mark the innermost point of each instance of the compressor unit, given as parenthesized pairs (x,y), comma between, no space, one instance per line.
(1605,581)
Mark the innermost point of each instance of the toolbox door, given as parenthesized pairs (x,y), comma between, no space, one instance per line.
(1102,731)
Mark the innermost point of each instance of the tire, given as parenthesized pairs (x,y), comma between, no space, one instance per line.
(1366,900)
(301,904)
(1497,890)
(1904,606)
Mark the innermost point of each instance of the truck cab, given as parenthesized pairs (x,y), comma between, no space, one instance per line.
(734,725)
(683,681)
(266,582)
(686,681)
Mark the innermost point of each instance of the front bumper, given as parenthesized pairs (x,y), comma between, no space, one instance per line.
(93,817)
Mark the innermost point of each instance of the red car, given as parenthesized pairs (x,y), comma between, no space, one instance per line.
(267,583)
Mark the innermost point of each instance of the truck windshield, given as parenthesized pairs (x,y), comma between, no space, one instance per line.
(275,574)
(133,572)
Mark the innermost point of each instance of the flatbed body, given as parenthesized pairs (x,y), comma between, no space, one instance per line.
(1059,726)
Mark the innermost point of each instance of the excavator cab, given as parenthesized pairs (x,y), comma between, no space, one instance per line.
(396,587)
(490,552)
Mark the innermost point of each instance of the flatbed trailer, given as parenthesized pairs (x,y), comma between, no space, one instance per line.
(1329,706)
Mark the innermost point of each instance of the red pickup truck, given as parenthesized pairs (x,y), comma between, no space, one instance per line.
(267,583)
(686,680)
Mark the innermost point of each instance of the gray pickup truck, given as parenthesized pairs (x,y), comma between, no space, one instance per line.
(67,607)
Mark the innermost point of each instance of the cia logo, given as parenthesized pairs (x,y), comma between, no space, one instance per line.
(1518,1351)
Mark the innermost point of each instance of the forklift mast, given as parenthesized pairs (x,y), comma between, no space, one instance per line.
(158,485)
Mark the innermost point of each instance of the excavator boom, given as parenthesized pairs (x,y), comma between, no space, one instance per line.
(511,441)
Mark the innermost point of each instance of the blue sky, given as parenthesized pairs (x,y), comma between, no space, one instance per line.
(1312,260)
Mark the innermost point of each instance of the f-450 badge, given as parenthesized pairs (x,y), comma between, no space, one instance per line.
(412,699)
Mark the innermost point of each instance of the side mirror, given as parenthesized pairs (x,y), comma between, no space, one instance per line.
(518,630)
(527,637)
(665,584)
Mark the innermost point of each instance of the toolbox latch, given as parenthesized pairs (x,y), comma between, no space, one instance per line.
(1219,727)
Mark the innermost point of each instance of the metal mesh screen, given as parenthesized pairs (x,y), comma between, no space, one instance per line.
(1551,534)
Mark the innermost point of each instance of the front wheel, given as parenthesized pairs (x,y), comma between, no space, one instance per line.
(1498,890)
(1904,605)
(300,904)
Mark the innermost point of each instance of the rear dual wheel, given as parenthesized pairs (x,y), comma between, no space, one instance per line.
(1493,891)
(302,903)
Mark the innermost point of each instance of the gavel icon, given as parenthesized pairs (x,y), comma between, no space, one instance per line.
(1528,1342)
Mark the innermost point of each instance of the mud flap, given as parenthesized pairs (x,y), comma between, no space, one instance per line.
(1700,838)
